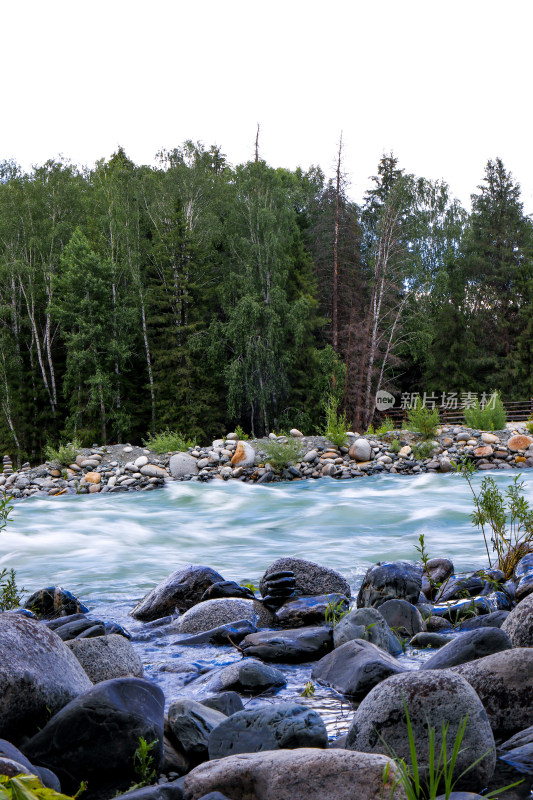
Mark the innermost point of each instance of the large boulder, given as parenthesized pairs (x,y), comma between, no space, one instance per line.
(179,592)
(469,646)
(244,455)
(227,703)
(362,623)
(106,657)
(292,646)
(309,578)
(388,581)
(95,736)
(360,450)
(434,699)
(191,724)
(247,677)
(182,464)
(504,683)
(312,610)
(222,611)
(38,675)
(519,442)
(54,601)
(403,617)
(283,726)
(519,624)
(303,774)
(355,668)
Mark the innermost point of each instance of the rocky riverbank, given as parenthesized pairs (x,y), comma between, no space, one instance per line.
(75,698)
(123,468)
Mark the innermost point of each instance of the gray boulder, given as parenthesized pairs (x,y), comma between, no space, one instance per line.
(493,620)
(355,668)
(106,657)
(360,450)
(438,624)
(248,677)
(504,683)
(283,726)
(191,724)
(302,774)
(10,753)
(309,610)
(362,623)
(227,703)
(523,575)
(222,611)
(434,640)
(389,581)
(402,617)
(469,646)
(289,646)
(95,736)
(38,675)
(179,592)
(182,464)
(519,624)
(310,578)
(432,698)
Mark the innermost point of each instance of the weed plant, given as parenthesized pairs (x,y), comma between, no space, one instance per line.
(9,593)
(386,427)
(490,418)
(29,787)
(423,420)
(395,446)
(167,441)
(422,450)
(241,434)
(336,425)
(143,764)
(65,454)
(282,454)
(335,611)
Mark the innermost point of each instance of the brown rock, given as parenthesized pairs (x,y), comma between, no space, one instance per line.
(483,452)
(520,459)
(244,455)
(304,774)
(93,477)
(519,442)
(489,438)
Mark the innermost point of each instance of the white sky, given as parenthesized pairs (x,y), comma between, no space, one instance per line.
(446,85)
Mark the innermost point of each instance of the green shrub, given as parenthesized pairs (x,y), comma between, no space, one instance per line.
(28,787)
(421,419)
(9,593)
(282,454)
(386,427)
(370,431)
(241,434)
(65,454)
(336,425)
(167,441)
(490,418)
(395,446)
(422,450)
(529,425)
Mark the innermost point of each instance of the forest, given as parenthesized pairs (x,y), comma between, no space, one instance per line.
(196,296)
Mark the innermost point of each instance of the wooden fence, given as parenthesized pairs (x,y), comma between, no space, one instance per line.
(517,411)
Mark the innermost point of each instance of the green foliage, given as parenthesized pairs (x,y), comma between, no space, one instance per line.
(241,434)
(386,427)
(167,441)
(308,690)
(281,454)
(505,519)
(5,509)
(529,425)
(441,764)
(370,431)
(336,426)
(423,420)
(143,763)
(395,446)
(249,585)
(335,611)
(28,787)
(9,593)
(65,454)
(490,418)
(422,450)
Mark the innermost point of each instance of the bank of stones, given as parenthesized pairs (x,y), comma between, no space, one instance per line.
(125,468)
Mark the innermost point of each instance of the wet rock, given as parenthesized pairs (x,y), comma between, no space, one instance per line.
(521,758)
(433,640)
(182,464)
(302,774)
(38,675)
(456,610)
(389,581)
(504,683)
(310,578)
(173,790)
(278,587)
(289,646)
(191,724)
(11,753)
(227,703)
(519,624)
(458,585)
(432,698)
(227,589)
(280,727)
(106,657)
(70,630)
(362,623)
(247,677)
(518,740)
(53,601)
(213,613)
(523,575)
(438,624)
(355,668)
(402,617)
(232,633)
(493,620)
(95,736)
(438,571)
(180,591)
(469,646)
(309,610)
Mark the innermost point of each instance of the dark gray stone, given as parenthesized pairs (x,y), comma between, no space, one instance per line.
(438,624)
(523,575)
(435,640)
(247,677)
(432,698)
(173,790)
(469,646)
(289,646)
(309,578)
(227,589)
(355,668)
(95,736)
(388,581)
(402,617)
(519,624)
(518,740)
(191,723)
(311,610)
(54,601)
(227,703)
(180,591)
(233,632)
(438,571)
(363,623)
(283,726)
(521,758)
(493,620)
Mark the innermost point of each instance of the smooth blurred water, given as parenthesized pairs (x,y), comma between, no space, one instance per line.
(115,547)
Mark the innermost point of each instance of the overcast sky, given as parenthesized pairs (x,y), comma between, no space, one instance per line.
(445,85)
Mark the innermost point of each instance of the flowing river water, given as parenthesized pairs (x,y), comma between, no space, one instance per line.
(109,550)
